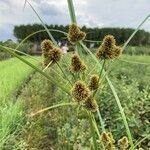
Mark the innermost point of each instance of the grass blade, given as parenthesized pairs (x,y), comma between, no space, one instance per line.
(92,126)
(15,50)
(50,35)
(132,35)
(52,107)
(36,32)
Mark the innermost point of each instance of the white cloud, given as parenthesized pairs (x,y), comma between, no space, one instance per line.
(116,13)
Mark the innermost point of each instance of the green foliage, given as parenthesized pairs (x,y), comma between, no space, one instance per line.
(122,34)
(68,127)
(25,47)
(131,83)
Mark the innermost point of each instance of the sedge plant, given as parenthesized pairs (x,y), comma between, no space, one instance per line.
(80,92)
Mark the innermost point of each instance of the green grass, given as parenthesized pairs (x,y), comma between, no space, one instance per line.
(136,58)
(137,50)
(13,74)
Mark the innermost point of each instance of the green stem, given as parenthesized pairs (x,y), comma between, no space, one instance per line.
(72,11)
(52,107)
(101,120)
(25,54)
(132,35)
(64,73)
(36,32)
(47,66)
(92,131)
(100,75)
(50,35)
(122,113)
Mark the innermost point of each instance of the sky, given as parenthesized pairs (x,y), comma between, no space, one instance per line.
(92,13)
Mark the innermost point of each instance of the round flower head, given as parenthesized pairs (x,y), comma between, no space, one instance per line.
(93,85)
(105,138)
(91,105)
(55,54)
(75,34)
(108,140)
(105,51)
(80,91)
(123,143)
(46,46)
(76,64)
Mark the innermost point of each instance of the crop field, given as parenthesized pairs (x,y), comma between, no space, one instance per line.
(13,74)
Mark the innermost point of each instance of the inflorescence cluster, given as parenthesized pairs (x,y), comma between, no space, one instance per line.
(81,92)
(50,52)
(75,34)
(108,48)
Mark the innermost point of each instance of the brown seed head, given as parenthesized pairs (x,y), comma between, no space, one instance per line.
(93,85)
(106,50)
(123,143)
(90,104)
(76,64)
(75,34)
(109,41)
(46,46)
(80,91)
(105,138)
(111,137)
(55,54)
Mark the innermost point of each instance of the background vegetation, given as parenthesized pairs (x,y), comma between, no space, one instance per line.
(122,34)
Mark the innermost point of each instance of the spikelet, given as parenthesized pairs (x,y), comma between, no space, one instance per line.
(105,51)
(76,64)
(107,137)
(94,82)
(104,137)
(108,48)
(80,91)
(46,46)
(55,54)
(74,34)
(90,104)
(108,140)
(123,143)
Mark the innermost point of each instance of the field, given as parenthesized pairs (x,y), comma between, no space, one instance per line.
(13,74)
(61,127)
(89,90)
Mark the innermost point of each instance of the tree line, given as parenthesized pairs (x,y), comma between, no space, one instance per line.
(96,34)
